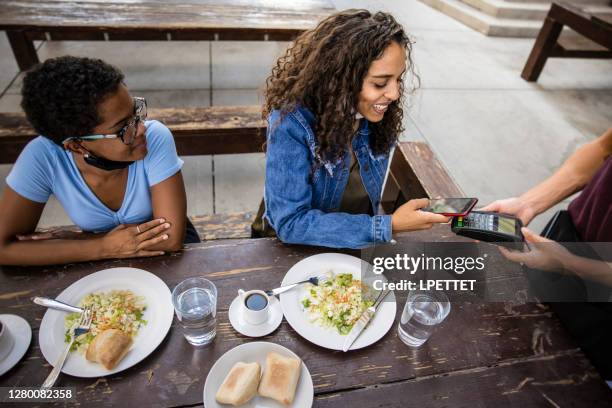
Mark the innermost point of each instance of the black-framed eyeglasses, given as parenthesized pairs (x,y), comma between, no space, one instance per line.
(127,133)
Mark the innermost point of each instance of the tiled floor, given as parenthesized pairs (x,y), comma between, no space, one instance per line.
(497,134)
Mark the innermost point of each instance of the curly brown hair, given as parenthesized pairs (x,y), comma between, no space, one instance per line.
(324,69)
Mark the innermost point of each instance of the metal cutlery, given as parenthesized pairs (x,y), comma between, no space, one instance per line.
(56,304)
(315,280)
(363,321)
(78,329)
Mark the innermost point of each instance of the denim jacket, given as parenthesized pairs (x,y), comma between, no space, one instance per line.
(302,199)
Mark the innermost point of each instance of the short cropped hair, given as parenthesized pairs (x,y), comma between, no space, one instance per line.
(60,97)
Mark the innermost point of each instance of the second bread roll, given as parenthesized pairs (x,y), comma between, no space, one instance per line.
(280,378)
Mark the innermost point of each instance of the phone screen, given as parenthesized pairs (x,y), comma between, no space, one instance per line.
(450,205)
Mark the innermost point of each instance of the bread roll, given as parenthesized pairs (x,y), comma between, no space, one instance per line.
(108,348)
(280,378)
(240,384)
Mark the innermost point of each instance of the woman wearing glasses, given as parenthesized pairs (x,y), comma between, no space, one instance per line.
(116,175)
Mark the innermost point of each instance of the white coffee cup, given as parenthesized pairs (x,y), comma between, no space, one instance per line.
(6,341)
(255,306)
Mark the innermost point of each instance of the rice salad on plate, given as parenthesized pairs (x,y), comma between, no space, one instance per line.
(117,309)
(336,302)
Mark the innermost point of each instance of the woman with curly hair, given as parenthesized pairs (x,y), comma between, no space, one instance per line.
(117,175)
(334,110)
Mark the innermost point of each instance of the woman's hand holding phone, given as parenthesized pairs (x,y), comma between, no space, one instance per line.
(409,216)
(451,207)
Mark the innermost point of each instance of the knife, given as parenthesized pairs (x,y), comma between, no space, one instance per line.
(56,304)
(363,321)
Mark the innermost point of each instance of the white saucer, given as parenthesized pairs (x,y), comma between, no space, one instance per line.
(22,336)
(275,317)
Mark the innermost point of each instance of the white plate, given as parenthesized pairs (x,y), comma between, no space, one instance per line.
(158,314)
(291,302)
(21,334)
(275,317)
(249,353)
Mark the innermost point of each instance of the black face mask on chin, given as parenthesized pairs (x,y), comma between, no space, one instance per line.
(105,164)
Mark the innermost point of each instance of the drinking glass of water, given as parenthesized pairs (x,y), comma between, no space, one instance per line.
(424,310)
(195,305)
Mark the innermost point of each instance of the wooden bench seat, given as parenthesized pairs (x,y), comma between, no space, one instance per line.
(415,172)
(197,131)
(224,226)
(597,28)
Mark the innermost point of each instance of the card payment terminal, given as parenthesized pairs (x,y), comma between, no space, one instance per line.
(488,226)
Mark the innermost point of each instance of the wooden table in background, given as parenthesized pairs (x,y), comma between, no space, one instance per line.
(483,355)
(154,20)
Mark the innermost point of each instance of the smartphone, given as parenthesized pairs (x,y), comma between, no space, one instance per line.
(451,207)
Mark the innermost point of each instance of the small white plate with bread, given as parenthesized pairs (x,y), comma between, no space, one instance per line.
(259,375)
(110,351)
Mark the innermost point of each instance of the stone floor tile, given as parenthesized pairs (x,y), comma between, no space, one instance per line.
(416,16)
(182,98)
(571,73)
(243,64)
(155,99)
(467,60)
(147,65)
(590,111)
(411,130)
(8,65)
(239,181)
(230,97)
(10,103)
(198,179)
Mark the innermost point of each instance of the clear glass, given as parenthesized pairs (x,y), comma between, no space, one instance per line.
(195,305)
(424,310)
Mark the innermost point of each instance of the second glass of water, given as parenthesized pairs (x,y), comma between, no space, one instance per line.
(195,304)
(424,310)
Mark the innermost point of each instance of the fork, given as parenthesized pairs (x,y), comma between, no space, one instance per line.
(315,280)
(77,330)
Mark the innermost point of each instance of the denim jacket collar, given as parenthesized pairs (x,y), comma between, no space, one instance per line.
(360,142)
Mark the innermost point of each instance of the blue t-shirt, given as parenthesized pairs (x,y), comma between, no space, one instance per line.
(44,168)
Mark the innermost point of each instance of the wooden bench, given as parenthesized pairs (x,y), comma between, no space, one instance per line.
(197,131)
(26,21)
(414,172)
(597,28)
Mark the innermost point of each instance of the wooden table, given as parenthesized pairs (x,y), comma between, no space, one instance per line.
(157,20)
(484,355)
